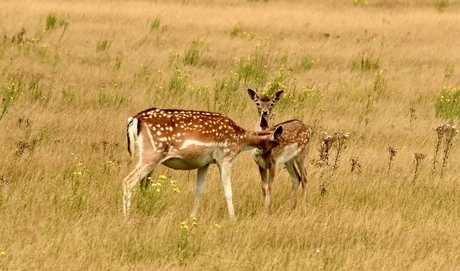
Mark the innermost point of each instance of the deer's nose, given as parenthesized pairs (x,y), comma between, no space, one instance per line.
(264,112)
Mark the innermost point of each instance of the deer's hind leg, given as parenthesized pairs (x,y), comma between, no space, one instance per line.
(266,187)
(303,177)
(295,178)
(200,178)
(142,170)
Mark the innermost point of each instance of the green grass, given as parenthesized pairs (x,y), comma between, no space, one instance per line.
(195,51)
(448,103)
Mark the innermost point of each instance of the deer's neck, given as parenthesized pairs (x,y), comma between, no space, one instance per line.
(262,123)
(257,139)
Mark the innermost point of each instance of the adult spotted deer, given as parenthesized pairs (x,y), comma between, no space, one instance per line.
(186,140)
(292,151)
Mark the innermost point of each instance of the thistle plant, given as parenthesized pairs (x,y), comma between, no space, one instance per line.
(22,146)
(340,138)
(326,144)
(450,132)
(440,133)
(446,132)
(418,159)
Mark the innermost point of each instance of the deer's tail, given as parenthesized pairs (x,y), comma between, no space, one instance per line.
(132,132)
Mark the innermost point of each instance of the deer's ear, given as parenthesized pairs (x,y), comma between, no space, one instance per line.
(278,95)
(278,132)
(253,94)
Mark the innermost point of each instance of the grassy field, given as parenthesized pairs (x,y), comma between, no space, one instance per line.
(385,72)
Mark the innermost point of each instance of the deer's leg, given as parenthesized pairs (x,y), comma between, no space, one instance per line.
(141,171)
(270,178)
(303,177)
(225,172)
(263,177)
(295,178)
(265,187)
(200,177)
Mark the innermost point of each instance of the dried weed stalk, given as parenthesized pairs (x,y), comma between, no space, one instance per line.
(340,139)
(451,131)
(23,146)
(326,144)
(367,120)
(448,132)
(355,165)
(393,153)
(418,159)
(440,133)
(323,188)
(412,115)
(4,180)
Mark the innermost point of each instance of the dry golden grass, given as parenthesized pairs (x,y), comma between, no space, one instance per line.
(67,90)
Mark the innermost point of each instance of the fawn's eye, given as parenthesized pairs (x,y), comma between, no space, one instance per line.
(258,104)
(272,104)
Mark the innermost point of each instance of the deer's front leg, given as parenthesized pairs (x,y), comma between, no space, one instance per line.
(265,188)
(271,177)
(225,172)
(200,178)
(304,181)
(295,178)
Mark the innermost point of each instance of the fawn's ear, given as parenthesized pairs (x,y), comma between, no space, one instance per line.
(278,132)
(278,95)
(253,94)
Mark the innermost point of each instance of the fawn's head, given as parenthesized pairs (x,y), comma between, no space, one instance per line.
(264,104)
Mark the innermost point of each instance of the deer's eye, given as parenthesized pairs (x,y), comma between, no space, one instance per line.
(258,104)
(272,104)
